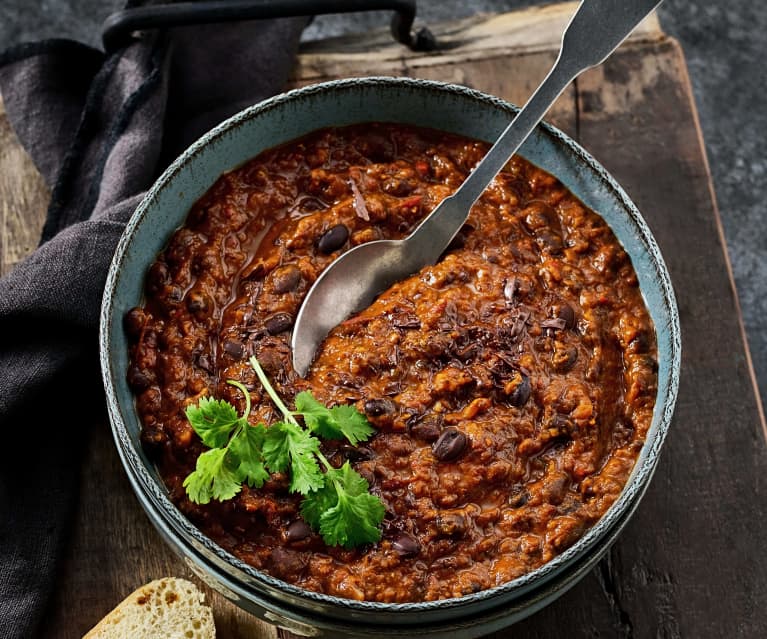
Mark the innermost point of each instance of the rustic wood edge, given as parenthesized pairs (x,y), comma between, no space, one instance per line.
(24,198)
(520,32)
(685,79)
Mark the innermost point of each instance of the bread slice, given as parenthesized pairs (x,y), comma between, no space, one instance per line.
(168,608)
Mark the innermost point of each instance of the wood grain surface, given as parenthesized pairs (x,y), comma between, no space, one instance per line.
(23,198)
(690,563)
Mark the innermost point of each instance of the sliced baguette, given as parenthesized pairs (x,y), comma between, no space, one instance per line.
(168,608)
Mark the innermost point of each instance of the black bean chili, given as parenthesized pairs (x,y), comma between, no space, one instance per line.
(511,384)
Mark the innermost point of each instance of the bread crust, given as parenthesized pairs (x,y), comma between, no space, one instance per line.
(168,608)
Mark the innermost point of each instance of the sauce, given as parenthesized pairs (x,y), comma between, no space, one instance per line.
(511,384)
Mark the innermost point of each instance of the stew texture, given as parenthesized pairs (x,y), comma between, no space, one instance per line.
(511,384)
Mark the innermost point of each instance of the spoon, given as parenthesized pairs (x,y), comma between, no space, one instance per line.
(355,278)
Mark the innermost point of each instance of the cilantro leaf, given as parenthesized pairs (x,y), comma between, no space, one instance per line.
(288,445)
(276,449)
(318,502)
(212,478)
(353,424)
(333,423)
(316,416)
(213,420)
(355,517)
(245,452)
(337,502)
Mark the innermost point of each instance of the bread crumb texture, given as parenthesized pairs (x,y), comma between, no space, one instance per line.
(168,608)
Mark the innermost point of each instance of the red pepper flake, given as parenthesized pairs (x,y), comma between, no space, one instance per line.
(411,202)
(423,168)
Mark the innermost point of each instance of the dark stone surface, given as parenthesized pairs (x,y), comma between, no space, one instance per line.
(724,44)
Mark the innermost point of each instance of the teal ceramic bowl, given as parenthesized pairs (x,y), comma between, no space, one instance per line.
(286,117)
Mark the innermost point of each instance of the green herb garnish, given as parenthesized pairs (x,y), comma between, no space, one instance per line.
(234,456)
(337,502)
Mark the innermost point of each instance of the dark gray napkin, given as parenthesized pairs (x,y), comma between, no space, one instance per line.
(100,129)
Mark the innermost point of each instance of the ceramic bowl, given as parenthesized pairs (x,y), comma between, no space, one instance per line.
(285,117)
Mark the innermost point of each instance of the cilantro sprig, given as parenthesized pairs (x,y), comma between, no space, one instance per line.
(336,501)
(233,456)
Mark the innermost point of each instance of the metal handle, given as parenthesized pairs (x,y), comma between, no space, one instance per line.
(118,28)
(593,33)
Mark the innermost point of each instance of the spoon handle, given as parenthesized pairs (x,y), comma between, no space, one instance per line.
(593,33)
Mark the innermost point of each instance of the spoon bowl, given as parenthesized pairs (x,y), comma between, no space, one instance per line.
(355,278)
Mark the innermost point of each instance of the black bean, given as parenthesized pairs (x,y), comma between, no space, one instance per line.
(564,358)
(298,531)
(285,278)
(235,348)
(521,392)
(451,524)
(519,499)
(199,304)
(566,313)
(406,545)
(278,323)
(543,222)
(133,322)
(450,445)
(286,563)
(157,277)
(376,148)
(139,379)
(378,407)
(640,343)
(357,453)
(550,240)
(562,426)
(153,440)
(333,239)
(428,428)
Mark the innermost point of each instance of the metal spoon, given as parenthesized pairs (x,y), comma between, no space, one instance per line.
(353,280)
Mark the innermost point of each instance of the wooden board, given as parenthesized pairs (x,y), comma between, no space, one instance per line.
(23,199)
(690,563)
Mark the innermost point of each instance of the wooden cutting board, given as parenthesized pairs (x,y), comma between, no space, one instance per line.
(691,562)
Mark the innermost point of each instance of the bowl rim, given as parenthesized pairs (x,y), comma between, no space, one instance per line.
(643,467)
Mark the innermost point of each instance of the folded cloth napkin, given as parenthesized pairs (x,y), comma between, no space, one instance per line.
(100,128)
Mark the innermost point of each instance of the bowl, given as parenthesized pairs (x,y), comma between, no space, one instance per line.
(288,116)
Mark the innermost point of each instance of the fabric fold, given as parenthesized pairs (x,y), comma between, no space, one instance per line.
(101,129)
(47,82)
